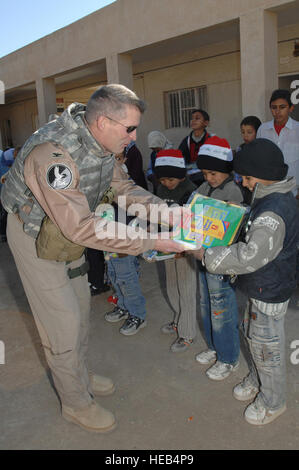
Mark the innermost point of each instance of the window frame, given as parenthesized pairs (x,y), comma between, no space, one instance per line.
(200,101)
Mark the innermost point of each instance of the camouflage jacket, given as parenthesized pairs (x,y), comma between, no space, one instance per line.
(63,172)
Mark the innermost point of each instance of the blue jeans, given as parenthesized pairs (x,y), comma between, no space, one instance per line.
(219,311)
(263,328)
(124,275)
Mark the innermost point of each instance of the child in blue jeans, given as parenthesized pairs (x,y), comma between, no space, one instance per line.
(123,272)
(265,261)
(218,304)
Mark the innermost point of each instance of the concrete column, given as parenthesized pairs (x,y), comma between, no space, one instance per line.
(46,98)
(259,61)
(119,69)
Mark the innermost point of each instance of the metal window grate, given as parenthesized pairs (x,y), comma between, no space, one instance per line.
(180,103)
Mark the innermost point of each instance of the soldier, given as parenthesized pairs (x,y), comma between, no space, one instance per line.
(59,177)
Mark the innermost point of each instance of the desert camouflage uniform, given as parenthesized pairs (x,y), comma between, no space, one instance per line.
(63,172)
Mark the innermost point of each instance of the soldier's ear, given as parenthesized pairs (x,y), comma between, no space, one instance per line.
(101,120)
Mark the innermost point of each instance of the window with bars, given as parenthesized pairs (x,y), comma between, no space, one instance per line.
(180,104)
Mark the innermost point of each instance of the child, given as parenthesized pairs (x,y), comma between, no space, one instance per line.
(176,188)
(191,144)
(218,302)
(123,272)
(284,132)
(249,127)
(267,260)
(156,142)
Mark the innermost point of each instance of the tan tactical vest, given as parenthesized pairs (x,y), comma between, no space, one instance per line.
(95,168)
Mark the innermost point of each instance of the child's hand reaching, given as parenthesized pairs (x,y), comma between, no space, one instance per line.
(198,254)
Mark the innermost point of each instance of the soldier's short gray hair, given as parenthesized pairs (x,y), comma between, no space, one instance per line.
(111,100)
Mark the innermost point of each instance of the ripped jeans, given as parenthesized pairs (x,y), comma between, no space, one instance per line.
(263,328)
(123,272)
(219,312)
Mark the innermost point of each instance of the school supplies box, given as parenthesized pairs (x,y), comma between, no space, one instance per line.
(213,222)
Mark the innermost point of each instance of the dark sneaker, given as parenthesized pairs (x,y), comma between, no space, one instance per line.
(99,290)
(132,325)
(181,344)
(169,328)
(116,315)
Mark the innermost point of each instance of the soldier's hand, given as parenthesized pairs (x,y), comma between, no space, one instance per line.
(168,245)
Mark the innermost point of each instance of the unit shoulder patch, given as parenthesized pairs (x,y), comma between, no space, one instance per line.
(59,176)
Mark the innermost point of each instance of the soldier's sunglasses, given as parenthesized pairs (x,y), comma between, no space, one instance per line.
(129,129)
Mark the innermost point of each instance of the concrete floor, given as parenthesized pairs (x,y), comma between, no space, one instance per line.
(163,401)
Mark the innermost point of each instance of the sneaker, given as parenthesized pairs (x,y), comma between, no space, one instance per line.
(132,325)
(169,328)
(221,370)
(93,418)
(116,315)
(99,290)
(256,413)
(245,390)
(181,344)
(206,357)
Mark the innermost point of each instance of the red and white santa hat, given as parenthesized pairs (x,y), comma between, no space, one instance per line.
(216,155)
(170,163)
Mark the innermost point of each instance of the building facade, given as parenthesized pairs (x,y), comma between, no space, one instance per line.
(225,56)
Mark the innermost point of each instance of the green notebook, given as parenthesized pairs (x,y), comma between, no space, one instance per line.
(213,223)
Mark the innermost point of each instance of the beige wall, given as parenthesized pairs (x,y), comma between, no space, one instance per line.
(218,66)
(22,117)
(221,75)
(106,32)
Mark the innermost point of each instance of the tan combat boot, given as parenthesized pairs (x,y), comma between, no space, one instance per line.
(101,385)
(93,418)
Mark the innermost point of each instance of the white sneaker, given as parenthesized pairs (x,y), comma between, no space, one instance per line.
(245,390)
(206,357)
(256,413)
(221,370)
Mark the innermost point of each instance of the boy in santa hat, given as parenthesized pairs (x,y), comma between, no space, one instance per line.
(176,188)
(218,304)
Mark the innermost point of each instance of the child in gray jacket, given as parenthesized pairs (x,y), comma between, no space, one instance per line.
(266,261)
